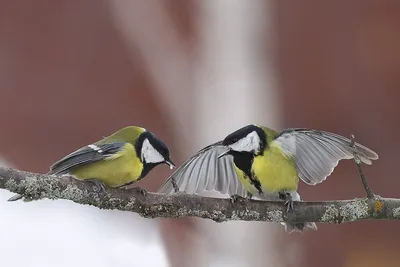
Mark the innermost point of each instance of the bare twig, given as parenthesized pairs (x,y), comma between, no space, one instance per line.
(357,160)
(36,186)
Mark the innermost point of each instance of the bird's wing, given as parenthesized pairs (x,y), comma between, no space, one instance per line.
(86,155)
(317,153)
(204,172)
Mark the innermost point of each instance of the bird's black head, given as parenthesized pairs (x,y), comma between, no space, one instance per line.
(152,152)
(249,139)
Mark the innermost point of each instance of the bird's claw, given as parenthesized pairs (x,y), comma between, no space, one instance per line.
(67,177)
(234,198)
(289,203)
(141,191)
(99,185)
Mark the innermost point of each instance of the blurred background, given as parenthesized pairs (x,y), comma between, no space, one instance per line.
(192,71)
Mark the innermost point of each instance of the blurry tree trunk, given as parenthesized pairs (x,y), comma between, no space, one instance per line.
(235,87)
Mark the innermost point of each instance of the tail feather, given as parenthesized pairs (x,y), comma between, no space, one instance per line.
(298,227)
(15,197)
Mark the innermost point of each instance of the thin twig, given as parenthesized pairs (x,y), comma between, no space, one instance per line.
(357,160)
(151,205)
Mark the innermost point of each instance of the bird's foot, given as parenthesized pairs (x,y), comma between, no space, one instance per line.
(234,198)
(67,177)
(99,186)
(141,191)
(289,203)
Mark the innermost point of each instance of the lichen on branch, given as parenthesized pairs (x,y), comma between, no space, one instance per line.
(152,205)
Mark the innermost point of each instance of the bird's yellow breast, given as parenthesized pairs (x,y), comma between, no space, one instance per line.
(122,168)
(275,171)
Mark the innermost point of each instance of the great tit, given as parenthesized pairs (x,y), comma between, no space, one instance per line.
(265,164)
(118,160)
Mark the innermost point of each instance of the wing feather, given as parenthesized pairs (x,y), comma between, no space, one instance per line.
(85,155)
(317,153)
(204,172)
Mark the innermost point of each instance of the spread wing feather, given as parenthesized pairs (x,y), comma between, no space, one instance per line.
(204,172)
(317,153)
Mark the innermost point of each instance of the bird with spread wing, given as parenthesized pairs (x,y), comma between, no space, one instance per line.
(256,161)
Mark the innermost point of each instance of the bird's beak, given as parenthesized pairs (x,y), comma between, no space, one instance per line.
(170,164)
(224,153)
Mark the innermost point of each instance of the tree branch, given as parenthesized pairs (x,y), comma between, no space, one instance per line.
(151,205)
(357,161)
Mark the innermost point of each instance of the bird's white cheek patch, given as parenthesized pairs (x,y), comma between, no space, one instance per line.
(250,143)
(150,154)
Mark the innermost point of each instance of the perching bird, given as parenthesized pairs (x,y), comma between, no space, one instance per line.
(265,164)
(115,161)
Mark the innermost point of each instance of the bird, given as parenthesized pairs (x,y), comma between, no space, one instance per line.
(258,162)
(116,161)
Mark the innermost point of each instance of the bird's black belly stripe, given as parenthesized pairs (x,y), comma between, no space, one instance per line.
(244,161)
(254,181)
